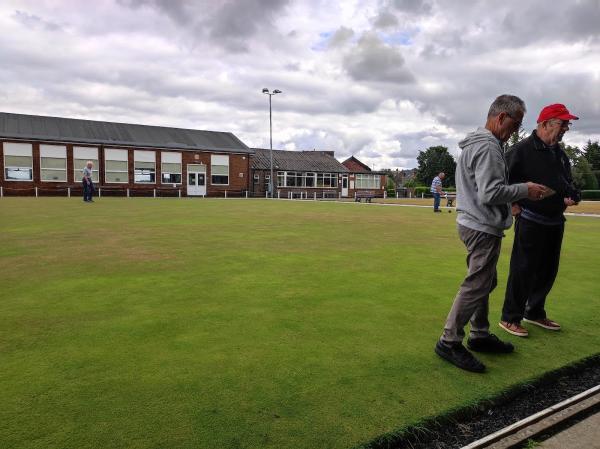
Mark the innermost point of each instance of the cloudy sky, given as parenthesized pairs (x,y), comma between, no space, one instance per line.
(377,79)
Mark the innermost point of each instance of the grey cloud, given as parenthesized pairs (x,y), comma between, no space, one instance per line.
(372,60)
(228,24)
(385,19)
(33,21)
(412,6)
(341,37)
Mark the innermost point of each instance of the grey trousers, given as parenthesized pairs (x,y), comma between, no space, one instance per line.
(471,302)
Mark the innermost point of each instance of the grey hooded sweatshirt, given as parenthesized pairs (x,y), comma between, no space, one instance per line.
(483,196)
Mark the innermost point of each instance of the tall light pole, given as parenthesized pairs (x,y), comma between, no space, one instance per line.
(270,94)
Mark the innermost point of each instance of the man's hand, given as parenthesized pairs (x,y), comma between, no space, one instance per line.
(570,202)
(516,209)
(536,192)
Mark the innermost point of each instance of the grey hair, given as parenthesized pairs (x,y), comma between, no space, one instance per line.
(508,104)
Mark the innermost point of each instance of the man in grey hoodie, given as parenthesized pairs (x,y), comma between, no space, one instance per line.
(483,206)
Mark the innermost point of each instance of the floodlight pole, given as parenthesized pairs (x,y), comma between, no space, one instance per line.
(271,180)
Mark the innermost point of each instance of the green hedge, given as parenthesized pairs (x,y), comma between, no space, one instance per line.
(590,195)
(427,190)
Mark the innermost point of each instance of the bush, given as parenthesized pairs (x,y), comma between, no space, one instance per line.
(421,189)
(590,195)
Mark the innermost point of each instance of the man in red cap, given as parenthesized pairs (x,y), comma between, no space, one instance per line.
(539,225)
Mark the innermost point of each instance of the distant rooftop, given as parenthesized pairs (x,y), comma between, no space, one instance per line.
(305,161)
(35,127)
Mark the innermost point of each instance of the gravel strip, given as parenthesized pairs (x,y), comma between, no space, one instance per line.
(465,426)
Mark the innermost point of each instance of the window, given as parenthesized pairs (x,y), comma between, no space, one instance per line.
(144,167)
(116,166)
(364,181)
(309,179)
(170,167)
(53,163)
(280,179)
(327,180)
(293,179)
(80,157)
(18,162)
(219,170)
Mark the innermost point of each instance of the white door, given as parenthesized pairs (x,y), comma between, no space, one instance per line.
(344,185)
(196,185)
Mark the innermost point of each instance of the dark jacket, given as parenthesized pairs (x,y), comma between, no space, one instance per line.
(532,160)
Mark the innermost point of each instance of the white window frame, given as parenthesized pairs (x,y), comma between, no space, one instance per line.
(53,152)
(368,181)
(219,160)
(116,155)
(18,149)
(86,154)
(171,157)
(144,156)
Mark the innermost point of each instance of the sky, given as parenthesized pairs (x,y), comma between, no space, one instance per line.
(380,80)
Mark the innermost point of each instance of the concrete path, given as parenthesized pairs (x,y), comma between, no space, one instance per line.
(583,435)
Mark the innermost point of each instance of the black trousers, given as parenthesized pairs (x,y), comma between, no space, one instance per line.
(533,268)
(88,190)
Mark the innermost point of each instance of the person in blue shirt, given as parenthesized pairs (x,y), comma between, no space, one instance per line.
(88,184)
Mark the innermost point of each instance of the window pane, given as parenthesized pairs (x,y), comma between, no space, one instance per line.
(171,178)
(19,174)
(171,168)
(141,176)
(310,180)
(116,177)
(54,162)
(219,170)
(141,165)
(54,175)
(18,161)
(116,166)
(220,179)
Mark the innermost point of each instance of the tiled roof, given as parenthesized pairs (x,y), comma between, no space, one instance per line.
(305,161)
(34,127)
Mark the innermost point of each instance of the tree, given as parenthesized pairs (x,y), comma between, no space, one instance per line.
(572,152)
(592,154)
(516,137)
(583,175)
(433,161)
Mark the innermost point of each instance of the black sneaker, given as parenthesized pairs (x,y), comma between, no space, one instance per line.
(436,210)
(458,355)
(491,343)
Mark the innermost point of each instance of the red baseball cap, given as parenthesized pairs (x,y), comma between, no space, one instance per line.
(558,111)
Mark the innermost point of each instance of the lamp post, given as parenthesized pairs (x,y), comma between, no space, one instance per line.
(270,94)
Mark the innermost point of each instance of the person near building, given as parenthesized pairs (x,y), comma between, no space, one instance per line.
(88,182)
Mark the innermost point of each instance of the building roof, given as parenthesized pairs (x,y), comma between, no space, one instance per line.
(305,161)
(35,127)
(356,166)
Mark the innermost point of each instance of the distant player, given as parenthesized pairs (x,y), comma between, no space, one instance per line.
(436,189)
(88,183)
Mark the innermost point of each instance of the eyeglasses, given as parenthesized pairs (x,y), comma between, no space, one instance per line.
(562,123)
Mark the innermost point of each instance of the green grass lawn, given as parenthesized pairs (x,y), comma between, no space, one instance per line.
(145,323)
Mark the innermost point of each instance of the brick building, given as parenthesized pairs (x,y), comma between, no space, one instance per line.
(306,174)
(46,155)
(362,178)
